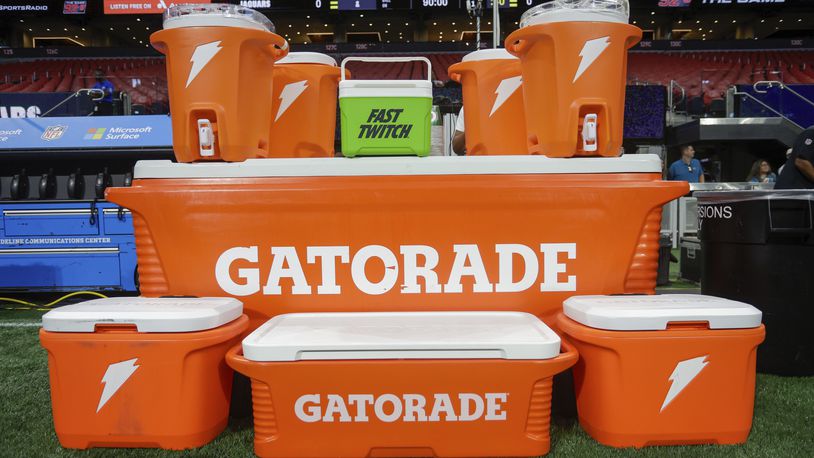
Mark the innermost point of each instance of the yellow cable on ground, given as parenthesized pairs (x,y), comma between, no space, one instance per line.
(50,304)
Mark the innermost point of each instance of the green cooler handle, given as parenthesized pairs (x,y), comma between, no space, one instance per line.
(388,59)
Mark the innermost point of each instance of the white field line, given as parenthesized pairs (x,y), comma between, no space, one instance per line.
(20,324)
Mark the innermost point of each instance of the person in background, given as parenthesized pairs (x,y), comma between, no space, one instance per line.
(687,168)
(761,173)
(780,170)
(798,172)
(104,107)
(459,140)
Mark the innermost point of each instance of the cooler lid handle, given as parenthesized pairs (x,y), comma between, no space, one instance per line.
(389,59)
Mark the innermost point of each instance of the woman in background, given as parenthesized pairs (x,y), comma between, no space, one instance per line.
(761,173)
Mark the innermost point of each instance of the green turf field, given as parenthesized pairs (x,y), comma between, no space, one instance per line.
(783,426)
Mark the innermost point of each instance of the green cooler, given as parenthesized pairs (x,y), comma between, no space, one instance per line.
(385,117)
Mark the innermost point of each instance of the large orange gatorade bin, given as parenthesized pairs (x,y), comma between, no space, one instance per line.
(457,384)
(518,233)
(303,106)
(220,60)
(573,56)
(141,372)
(493,102)
(663,370)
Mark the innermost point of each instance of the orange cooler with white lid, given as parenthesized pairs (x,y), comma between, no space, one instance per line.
(141,372)
(573,55)
(402,384)
(330,244)
(663,370)
(303,106)
(493,102)
(307,234)
(219,72)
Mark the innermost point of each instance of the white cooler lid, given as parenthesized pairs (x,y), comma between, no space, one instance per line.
(399,165)
(165,314)
(402,335)
(385,88)
(652,313)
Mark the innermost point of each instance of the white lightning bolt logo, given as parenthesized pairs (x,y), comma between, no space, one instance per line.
(590,51)
(115,376)
(684,373)
(289,94)
(200,57)
(505,90)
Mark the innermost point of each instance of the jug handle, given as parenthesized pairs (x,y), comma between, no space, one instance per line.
(278,47)
(454,76)
(517,47)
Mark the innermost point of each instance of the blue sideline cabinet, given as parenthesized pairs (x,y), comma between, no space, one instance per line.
(66,246)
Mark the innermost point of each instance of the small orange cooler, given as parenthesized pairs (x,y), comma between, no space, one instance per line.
(402,384)
(574,59)
(219,72)
(303,106)
(493,102)
(663,370)
(139,372)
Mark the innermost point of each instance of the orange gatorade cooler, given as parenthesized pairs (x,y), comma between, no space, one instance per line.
(493,102)
(140,372)
(663,370)
(304,106)
(311,235)
(457,384)
(573,55)
(219,72)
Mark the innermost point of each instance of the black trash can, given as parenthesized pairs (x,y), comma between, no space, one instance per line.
(665,253)
(759,248)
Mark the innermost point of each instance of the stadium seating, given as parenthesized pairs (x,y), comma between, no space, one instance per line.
(708,74)
(144,79)
(703,74)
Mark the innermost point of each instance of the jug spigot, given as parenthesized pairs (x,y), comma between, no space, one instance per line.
(589,142)
(206,138)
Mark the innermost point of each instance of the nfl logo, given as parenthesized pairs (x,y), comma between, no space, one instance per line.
(53,132)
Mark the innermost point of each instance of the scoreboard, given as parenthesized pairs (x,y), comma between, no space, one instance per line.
(380,5)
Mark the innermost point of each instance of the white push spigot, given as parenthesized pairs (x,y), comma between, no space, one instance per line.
(589,142)
(206,138)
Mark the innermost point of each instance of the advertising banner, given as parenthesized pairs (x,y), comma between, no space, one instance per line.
(143,6)
(85,132)
(34,104)
(24,6)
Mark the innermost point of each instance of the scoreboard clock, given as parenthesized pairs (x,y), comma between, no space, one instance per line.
(377,5)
